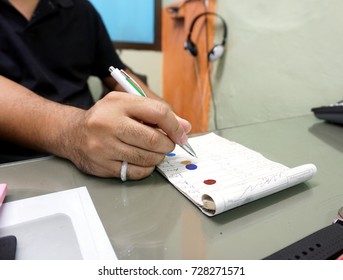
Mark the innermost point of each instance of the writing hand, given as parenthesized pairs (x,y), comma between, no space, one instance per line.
(122,127)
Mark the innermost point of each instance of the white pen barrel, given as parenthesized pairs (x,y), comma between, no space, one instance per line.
(118,76)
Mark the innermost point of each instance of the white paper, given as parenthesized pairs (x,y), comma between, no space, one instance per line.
(55,210)
(226,174)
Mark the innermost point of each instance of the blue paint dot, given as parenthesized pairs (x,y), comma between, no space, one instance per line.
(191,166)
(171,155)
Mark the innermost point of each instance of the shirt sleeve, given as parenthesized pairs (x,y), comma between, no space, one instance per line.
(105,53)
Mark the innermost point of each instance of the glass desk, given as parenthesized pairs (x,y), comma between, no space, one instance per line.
(150,219)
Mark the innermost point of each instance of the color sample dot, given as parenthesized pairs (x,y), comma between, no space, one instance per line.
(185,162)
(171,155)
(210,182)
(191,166)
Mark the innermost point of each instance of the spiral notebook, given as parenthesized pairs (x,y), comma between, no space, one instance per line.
(226,174)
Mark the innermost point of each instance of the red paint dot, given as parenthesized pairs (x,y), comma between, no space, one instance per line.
(210,182)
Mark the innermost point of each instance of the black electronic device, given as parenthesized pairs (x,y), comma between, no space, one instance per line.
(8,247)
(331,113)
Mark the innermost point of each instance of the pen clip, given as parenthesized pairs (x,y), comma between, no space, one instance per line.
(133,82)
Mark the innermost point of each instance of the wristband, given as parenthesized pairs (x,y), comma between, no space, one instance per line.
(324,244)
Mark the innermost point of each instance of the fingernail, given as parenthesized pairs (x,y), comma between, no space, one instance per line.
(185,124)
(183,139)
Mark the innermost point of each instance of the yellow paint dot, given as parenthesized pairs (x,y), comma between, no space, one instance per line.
(185,162)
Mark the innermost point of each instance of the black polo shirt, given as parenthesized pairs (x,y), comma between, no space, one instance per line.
(54,53)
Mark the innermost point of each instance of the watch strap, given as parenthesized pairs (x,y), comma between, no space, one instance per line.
(324,244)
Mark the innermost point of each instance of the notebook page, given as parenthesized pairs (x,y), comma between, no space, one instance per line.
(227,174)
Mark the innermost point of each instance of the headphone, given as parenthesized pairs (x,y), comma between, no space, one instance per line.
(217,50)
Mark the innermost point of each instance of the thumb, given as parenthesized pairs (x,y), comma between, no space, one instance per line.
(186,125)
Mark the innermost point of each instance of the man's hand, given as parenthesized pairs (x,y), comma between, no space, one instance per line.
(120,127)
(123,127)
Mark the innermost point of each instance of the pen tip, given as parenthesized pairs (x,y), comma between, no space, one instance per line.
(189,149)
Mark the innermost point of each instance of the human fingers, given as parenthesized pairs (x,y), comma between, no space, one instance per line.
(159,114)
(134,172)
(130,121)
(143,138)
(136,155)
(186,125)
(106,134)
(114,169)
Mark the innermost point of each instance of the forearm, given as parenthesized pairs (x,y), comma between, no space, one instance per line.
(32,121)
(98,140)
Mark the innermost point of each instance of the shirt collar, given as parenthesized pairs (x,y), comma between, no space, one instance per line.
(48,7)
(65,3)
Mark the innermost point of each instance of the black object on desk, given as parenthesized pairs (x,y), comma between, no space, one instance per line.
(324,244)
(332,113)
(8,247)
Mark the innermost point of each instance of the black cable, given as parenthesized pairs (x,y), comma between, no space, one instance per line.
(212,98)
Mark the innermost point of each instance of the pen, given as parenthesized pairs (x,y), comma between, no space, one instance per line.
(131,86)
